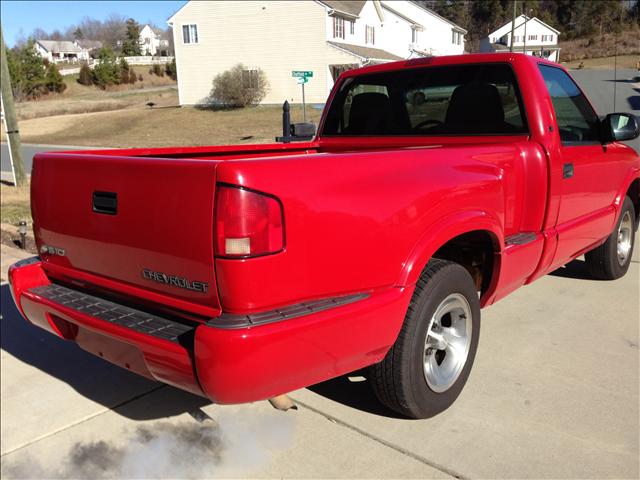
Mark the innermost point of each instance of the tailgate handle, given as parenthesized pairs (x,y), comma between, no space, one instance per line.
(105,202)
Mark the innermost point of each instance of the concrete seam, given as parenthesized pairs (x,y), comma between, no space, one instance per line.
(386,443)
(82,420)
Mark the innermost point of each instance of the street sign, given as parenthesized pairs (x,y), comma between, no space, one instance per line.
(302,73)
(302,76)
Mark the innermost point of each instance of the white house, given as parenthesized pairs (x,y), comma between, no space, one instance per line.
(326,37)
(61,51)
(152,43)
(530,35)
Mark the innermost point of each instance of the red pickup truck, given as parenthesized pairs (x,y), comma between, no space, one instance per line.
(434,187)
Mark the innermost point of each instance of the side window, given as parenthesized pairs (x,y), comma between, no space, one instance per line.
(190,33)
(577,122)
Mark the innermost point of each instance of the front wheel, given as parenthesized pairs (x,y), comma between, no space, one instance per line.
(611,260)
(426,368)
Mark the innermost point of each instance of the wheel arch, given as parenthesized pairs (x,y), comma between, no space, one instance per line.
(463,238)
(633,192)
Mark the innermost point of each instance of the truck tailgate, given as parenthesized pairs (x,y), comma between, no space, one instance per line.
(138,223)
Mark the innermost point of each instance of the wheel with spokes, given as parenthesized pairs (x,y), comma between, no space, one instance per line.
(425,370)
(611,260)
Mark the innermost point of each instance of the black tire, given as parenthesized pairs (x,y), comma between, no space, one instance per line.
(399,381)
(603,262)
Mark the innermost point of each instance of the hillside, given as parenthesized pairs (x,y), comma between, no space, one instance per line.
(597,46)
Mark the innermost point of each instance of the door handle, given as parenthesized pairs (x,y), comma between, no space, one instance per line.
(567,170)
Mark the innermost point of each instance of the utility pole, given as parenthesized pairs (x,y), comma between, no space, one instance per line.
(10,122)
(513,24)
(526,19)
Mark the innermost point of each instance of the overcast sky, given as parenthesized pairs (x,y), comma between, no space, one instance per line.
(22,17)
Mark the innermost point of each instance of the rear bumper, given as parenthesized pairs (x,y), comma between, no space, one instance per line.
(228,365)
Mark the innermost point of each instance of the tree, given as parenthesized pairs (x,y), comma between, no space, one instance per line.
(131,44)
(77,34)
(53,80)
(86,77)
(28,72)
(171,70)
(239,87)
(106,71)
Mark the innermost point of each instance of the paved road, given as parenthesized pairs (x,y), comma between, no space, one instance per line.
(553,394)
(599,87)
(28,151)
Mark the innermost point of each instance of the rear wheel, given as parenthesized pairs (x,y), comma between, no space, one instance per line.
(611,260)
(426,368)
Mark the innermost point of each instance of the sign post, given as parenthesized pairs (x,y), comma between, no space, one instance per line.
(303,77)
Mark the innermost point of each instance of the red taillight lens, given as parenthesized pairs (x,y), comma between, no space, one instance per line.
(247,223)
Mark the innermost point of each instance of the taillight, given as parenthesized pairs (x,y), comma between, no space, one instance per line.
(248,223)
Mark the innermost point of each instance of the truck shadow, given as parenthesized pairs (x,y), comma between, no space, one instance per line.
(89,375)
(353,390)
(576,269)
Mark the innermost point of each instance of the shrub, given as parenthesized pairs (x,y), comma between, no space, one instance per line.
(86,77)
(157,70)
(53,80)
(171,70)
(106,72)
(140,77)
(240,87)
(132,76)
(123,68)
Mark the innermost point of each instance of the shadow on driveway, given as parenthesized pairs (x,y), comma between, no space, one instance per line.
(89,375)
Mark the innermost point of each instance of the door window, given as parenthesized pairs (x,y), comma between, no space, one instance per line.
(578,124)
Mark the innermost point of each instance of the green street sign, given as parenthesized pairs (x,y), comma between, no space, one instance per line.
(302,80)
(302,74)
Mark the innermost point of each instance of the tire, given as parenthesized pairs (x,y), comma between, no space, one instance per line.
(410,380)
(607,261)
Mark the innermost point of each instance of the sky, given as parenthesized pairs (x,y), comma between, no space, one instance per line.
(22,17)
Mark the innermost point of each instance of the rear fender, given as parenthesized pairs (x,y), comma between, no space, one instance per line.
(447,228)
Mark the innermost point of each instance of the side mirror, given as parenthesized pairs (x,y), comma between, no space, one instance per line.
(620,127)
(303,129)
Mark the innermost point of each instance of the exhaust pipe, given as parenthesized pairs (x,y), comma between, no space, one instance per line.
(283,402)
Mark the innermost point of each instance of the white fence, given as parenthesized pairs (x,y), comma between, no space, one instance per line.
(141,60)
(148,60)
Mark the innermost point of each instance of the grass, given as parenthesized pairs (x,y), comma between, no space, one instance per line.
(86,99)
(602,48)
(14,204)
(623,61)
(158,127)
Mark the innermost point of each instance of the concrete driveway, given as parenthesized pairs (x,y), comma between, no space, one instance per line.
(554,393)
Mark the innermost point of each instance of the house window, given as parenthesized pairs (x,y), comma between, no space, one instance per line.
(456,37)
(370,35)
(414,35)
(533,37)
(338,27)
(352,27)
(190,33)
(250,78)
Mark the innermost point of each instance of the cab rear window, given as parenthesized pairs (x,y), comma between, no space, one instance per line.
(451,100)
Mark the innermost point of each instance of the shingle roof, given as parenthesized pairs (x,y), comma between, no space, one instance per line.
(366,52)
(55,46)
(351,7)
(90,44)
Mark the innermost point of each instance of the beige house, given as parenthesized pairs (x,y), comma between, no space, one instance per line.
(322,36)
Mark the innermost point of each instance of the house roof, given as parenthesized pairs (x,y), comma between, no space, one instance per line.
(521,20)
(366,53)
(404,17)
(350,7)
(455,25)
(55,46)
(89,44)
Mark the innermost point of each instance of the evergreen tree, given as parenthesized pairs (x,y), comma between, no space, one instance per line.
(131,44)
(53,80)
